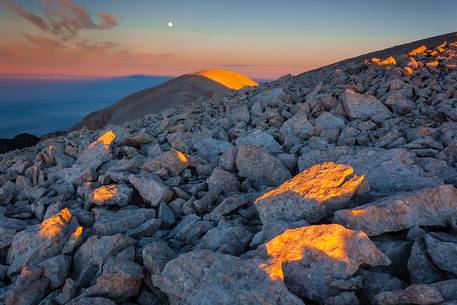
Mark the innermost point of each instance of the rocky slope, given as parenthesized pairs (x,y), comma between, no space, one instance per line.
(337,186)
(182,90)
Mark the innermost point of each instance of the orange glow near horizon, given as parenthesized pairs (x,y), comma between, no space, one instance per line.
(104,193)
(53,225)
(228,79)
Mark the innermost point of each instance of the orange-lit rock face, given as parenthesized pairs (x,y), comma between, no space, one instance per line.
(104,193)
(106,139)
(433,64)
(419,50)
(334,243)
(388,61)
(310,196)
(322,183)
(409,71)
(54,225)
(182,157)
(78,232)
(227,78)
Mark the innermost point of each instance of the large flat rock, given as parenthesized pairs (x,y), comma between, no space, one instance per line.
(427,207)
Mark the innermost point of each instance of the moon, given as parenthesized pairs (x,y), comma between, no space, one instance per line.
(170,24)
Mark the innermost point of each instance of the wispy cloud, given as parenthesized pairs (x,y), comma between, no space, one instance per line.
(88,46)
(63,18)
(43,42)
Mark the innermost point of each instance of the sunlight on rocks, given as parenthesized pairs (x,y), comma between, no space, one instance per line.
(53,225)
(78,232)
(182,157)
(329,180)
(419,50)
(293,244)
(104,193)
(107,138)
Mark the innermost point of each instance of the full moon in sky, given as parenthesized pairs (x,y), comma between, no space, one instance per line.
(170,24)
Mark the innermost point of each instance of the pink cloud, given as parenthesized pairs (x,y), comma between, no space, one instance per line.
(63,18)
(43,42)
(32,18)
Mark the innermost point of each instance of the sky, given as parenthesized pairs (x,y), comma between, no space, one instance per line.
(262,39)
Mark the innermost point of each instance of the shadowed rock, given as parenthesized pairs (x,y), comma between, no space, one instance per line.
(203,277)
(260,167)
(428,207)
(414,294)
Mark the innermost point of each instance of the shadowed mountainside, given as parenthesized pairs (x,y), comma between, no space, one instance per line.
(179,91)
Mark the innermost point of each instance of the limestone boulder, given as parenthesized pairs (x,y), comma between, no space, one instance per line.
(42,241)
(261,168)
(203,277)
(428,207)
(309,259)
(312,195)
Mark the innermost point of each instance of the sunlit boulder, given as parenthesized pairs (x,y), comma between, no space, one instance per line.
(309,259)
(312,195)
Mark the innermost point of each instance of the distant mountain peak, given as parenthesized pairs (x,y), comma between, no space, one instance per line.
(227,78)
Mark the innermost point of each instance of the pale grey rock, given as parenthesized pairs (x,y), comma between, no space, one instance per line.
(155,256)
(112,195)
(210,147)
(377,282)
(397,251)
(358,106)
(119,280)
(227,206)
(174,161)
(311,195)
(376,165)
(203,277)
(226,238)
(224,180)
(6,237)
(343,298)
(148,228)
(327,120)
(296,128)
(261,139)
(56,269)
(420,266)
(166,214)
(94,155)
(427,207)
(310,258)
(260,167)
(110,222)
(6,193)
(414,294)
(42,241)
(190,229)
(151,188)
(442,253)
(227,159)
(29,287)
(89,259)
(82,300)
